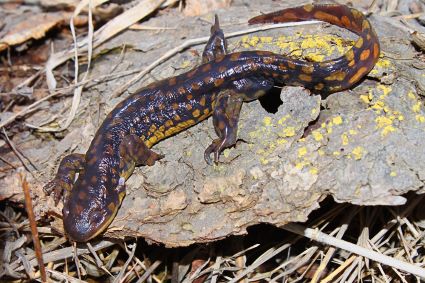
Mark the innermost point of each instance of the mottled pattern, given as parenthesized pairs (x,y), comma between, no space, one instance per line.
(217,87)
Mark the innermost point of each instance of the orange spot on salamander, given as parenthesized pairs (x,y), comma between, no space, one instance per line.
(202,101)
(282,67)
(357,75)
(320,15)
(78,209)
(152,128)
(93,179)
(82,195)
(336,76)
(111,207)
(235,56)
(218,82)
(219,58)
(365,25)
(365,55)
(207,79)
(222,69)
(196,113)
(349,55)
(195,86)
(345,21)
(172,81)
(92,161)
(305,78)
(206,68)
(181,90)
(319,86)
(308,8)
(307,69)
(287,17)
(191,73)
(269,60)
(375,50)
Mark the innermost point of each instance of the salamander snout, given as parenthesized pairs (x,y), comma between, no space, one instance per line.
(86,214)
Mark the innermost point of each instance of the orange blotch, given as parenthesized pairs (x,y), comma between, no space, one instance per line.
(320,15)
(206,68)
(357,76)
(375,50)
(364,55)
(345,21)
(305,77)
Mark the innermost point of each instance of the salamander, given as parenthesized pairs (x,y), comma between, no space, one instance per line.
(217,88)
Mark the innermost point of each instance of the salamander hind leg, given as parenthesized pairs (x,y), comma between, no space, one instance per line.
(216,45)
(227,107)
(64,179)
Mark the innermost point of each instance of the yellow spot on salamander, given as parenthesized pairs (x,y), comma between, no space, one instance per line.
(393,174)
(358,152)
(313,171)
(302,151)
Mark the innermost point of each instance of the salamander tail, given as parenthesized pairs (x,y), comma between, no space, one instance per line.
(343,72)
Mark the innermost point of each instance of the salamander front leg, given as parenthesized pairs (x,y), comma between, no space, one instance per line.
(133,149)
(225,119)
(64,179)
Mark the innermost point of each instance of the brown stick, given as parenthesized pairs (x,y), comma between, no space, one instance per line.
(33,226)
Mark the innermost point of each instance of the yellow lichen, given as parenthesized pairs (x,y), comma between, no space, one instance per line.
(267,121)
(358,152)
(302,151)
(337,120)
(317,135)
(289,132)
(344,139)
(417,107)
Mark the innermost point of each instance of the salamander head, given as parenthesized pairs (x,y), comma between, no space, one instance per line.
(90,209)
